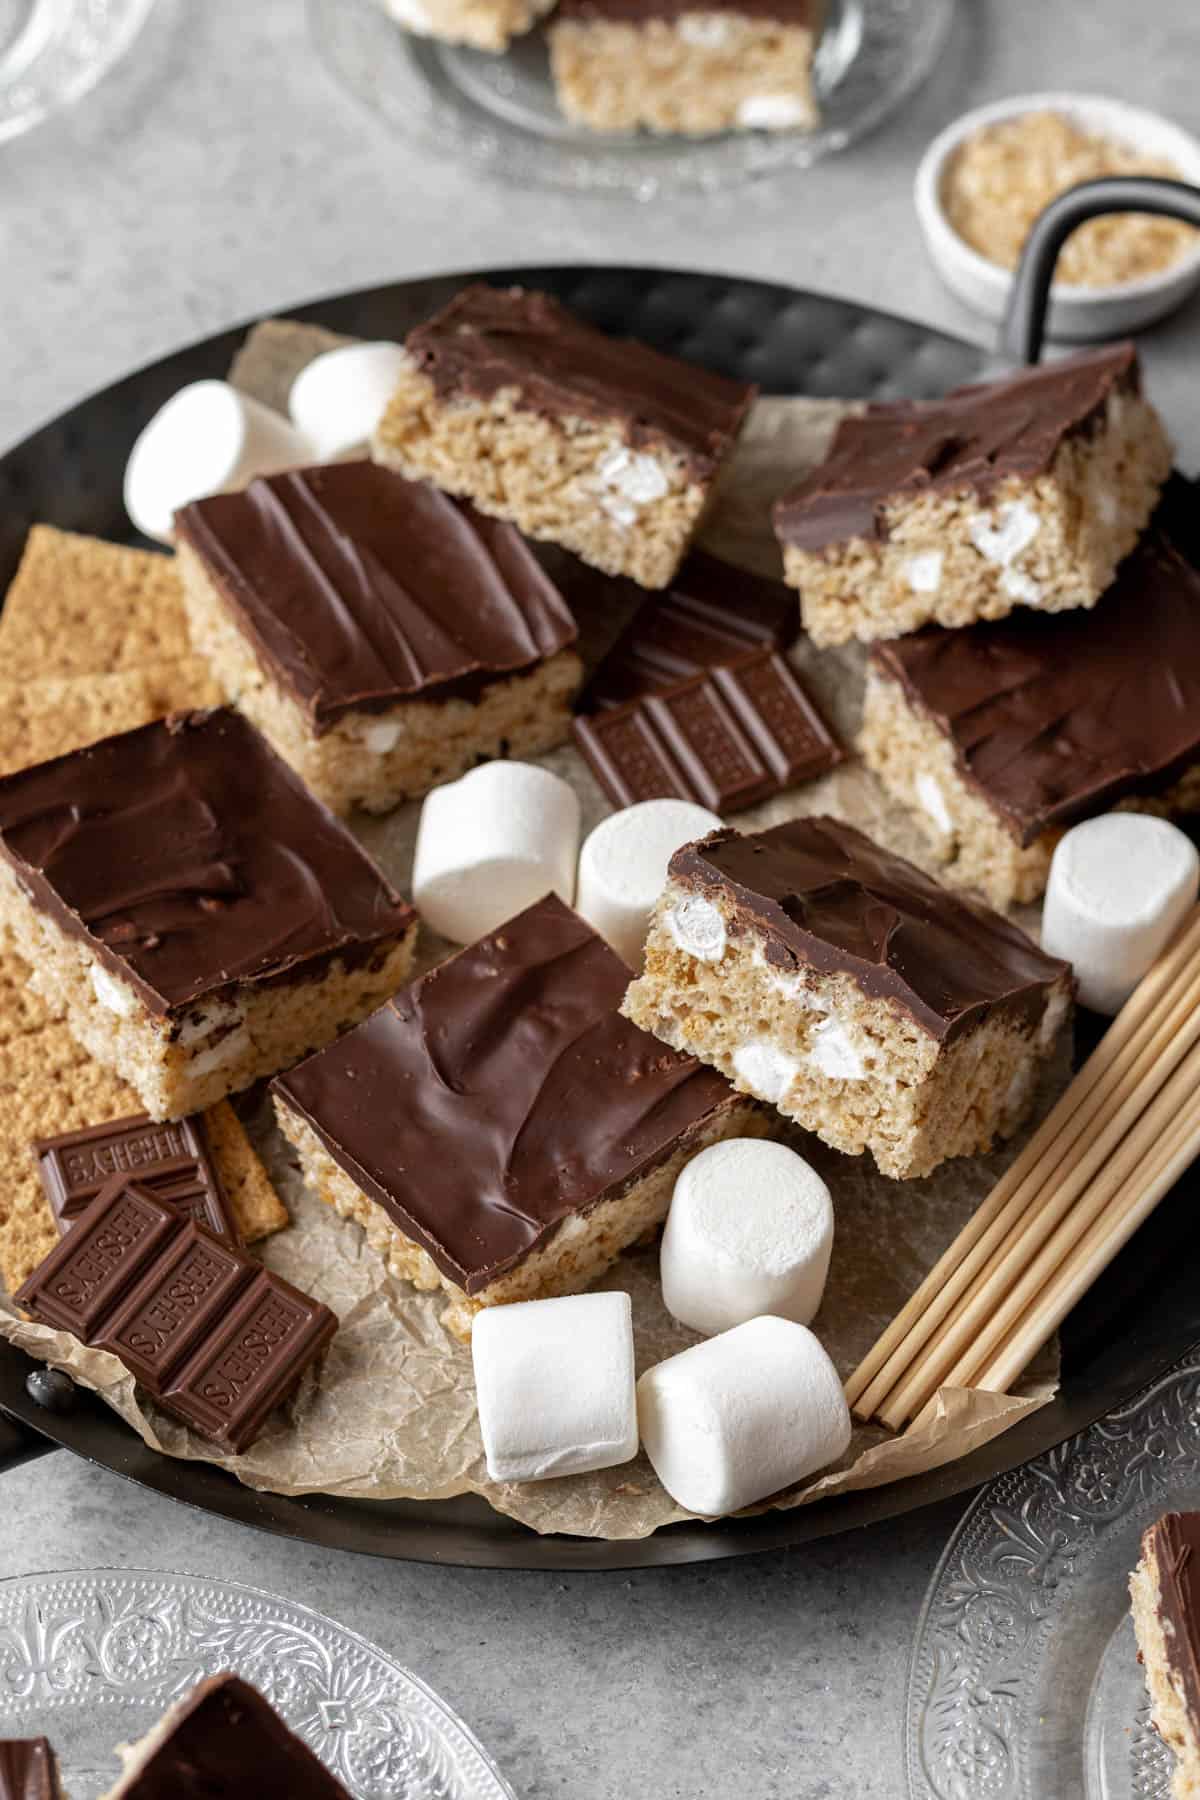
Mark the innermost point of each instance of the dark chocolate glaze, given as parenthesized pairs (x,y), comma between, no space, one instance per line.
(974,439)
(827,898)
(359,589)
(224,1739)
(28,1770)
(189,857)
(1054,716)
(501,1094)
(806,14)
(488,339)
(1173,1545)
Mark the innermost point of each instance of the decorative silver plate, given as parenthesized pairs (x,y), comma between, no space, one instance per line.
(53,51)
(499,112)
(1024,1679)
(91,1660)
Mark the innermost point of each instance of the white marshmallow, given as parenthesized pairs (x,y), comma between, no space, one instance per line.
(834,1052)
(491,844)
(772,112)
(924,571)
(555,1384)
(929,793)
(115,995)
(1119,886)
(207,439)
(623,868)
(765,1070)
(707,31)
(698,928)
(742,1416)
(1000,538)
(337,400)
(750,1231)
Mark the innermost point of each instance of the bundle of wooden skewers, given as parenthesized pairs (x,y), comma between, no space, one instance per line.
(1116,1142)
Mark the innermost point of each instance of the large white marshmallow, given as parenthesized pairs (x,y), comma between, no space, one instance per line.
(338,399)
(207,439)
(554,1380)
(623,867)
(750,1231)
(742,1416)
(1119,886)
(491,844)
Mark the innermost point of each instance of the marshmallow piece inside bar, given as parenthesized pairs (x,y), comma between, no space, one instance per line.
(742,1416)
(555,1385)
(491,844)
(207,439)
(1119,887)
(750,1231)
(337,400)
(623,867)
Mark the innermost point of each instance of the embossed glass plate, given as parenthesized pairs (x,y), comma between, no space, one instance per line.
(91,1660)
(53,51)
(1024,1680)
(500,113)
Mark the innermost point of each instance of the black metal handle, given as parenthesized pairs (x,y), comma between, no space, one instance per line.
(19,1443)
(1025,319)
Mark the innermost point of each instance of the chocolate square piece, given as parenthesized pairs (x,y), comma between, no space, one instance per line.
(503,1095)
(171,1159)
(79,1285)
(725,739)
(174,1305)
(357,589)
(28,1770)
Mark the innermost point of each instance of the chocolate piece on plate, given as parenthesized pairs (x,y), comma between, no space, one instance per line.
(1165,1590)
(28,1770)
(171,1159)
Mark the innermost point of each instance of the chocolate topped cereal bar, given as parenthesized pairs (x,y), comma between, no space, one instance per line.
(382,636)
(836,981)
(1001,736)
(686,66)
(197,916)
(1165,1590)
(556,1128)
(1026,492)
(599,444)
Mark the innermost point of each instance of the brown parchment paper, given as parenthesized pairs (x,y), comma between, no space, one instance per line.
(391,1412)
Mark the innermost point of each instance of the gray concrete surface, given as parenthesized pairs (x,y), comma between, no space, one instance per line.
(219,173)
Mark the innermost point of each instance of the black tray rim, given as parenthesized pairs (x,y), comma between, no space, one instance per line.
(1125,1351)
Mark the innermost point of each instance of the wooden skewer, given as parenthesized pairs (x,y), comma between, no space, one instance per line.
(1048,1203)
(1115,1226)
(1150,1014)
(1000,1302)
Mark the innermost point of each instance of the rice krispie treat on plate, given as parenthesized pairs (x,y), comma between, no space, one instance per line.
(834,980)
(686,66)
(196,916)
(1165,1591)
(381,635)
(1001,736)
(599,444)
(498,1128)
(483,24)
(1025,491)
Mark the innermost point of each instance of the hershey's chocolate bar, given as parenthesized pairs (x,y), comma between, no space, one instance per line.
(216,1339)
(28,1770)
(171,1159)
(712,613)
(725,739)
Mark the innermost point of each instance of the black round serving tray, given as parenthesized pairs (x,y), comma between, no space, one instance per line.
(1142,1315)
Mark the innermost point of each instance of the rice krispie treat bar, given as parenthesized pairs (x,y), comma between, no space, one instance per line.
(1165,1591)
(1001,736)
(836,981)
(484,24)
(686,66)
(195,915)
(1022,492)
(555,1127)
(599,444)
(382,636)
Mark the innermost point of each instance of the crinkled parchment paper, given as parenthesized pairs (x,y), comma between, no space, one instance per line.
(391,1412)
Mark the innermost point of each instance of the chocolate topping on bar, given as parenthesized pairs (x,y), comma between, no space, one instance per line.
(974,439)
(501,1094)
(359,589)
(28,1770)
(489,339)
(1173,1544)
(224,1739)
(1057,715)
(806,14)
(188,856)
(826,897)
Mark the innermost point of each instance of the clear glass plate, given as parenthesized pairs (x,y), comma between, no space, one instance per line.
(91,1660)
(1024,1680)
(499,112)
(53,51)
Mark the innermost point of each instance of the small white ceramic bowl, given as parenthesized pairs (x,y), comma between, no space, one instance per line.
(1075,312)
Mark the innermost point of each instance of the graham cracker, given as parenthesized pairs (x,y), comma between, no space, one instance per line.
(256,1207)
(80,606)
(41,719)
